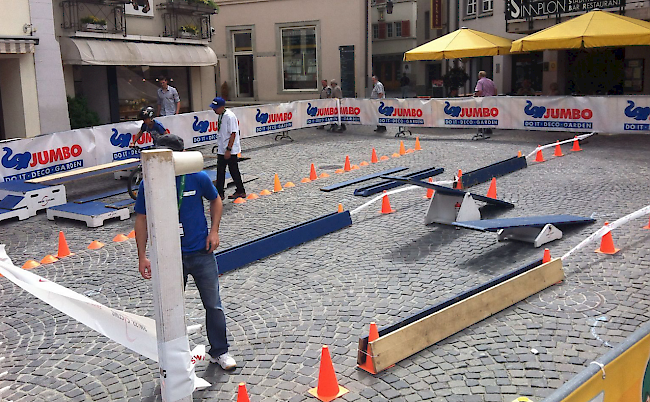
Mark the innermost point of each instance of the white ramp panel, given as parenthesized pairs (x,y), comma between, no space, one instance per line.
(93,213)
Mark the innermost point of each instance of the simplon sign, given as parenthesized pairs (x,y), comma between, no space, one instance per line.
(522,9)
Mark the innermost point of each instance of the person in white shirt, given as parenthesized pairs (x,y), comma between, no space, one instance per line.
(378,93)
(169,103)
(228,147)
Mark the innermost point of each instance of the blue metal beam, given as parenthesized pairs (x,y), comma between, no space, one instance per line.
(387,185)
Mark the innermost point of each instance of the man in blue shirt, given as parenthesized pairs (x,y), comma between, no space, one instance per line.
(197,247)
(149,125)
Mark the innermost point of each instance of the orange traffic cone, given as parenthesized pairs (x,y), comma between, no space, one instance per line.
(340,208)
(539,157)
(328,387)
(346,167)
(607,243)
(385,205)
(48,259)
(305,180)
(131,234)
(558,149)
(384,158)
(289,184)
(252,196)
(459,180)
(402,150)
(417,146)
(430,191)
(312,173)
(339,171)
(576,145)
(492,191)
(95,245)
(354,167)
(64,250)
(373,158)
(242,394)
(648,225)
(373,336)
(239,200)
(265,192)
(324,175)
(395,155)
(518,154)
(119,238)
(547,256)
(30,264)
(364,163)
(277,187)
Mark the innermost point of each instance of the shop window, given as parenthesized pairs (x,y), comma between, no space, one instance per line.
(389,29)
(137,87)
(243,41)
(375,31)
(398,29)
(471,7)
(299,58)
(488,5)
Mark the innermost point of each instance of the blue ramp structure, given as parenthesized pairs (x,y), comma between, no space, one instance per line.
(532,229)
(498,169)
(93,213)
(274,243)
(35,197)
(449,205)
(361,179)
(390,184)
(13,206)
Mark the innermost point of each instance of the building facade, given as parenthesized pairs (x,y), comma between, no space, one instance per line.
(114,52)
(32,94)
(393,33)
(280,50)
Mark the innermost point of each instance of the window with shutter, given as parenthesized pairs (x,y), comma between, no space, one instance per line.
(382,30)
(406,28)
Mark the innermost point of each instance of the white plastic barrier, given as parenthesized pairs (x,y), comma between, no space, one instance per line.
(104,144)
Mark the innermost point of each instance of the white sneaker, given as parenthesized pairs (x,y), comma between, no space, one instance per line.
(225,361)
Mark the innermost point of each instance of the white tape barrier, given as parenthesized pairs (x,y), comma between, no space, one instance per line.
(579,137)
(602,231)
(129,330)
(399,190)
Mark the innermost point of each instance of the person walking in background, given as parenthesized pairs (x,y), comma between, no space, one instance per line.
(228,147)
(378,93)
(197,247)
(325,93)
(338,94)
(404,83)
(484,87)
(169,103)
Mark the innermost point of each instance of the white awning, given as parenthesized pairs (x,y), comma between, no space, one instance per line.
(16,46)
(97,52)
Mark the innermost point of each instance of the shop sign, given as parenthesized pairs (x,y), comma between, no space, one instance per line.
(524,9)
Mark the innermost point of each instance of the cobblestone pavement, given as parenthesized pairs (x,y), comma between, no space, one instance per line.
(382,268)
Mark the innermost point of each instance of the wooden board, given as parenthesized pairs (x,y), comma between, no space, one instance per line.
(104,168)
(398,345)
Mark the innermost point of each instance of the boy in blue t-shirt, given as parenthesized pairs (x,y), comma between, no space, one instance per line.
(197,247)
(149,125)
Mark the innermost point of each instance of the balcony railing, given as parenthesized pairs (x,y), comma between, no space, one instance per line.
(104,16)
(189,19)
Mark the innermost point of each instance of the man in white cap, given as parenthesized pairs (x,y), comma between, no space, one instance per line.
(228,147)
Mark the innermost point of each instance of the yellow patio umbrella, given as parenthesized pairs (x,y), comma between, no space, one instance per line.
(461,43)
(593,29)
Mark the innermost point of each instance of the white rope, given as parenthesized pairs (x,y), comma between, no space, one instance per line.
(579,137)
(602,231)
(399,190)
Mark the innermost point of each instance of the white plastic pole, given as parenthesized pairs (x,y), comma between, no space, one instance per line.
(167,270)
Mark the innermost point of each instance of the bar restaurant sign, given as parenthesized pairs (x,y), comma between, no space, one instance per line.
(526,9)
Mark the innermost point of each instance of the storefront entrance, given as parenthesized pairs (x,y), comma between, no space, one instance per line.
(527,71)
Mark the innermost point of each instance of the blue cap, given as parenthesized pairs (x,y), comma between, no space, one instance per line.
(218,102)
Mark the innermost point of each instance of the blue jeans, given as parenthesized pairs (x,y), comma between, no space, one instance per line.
(203,268)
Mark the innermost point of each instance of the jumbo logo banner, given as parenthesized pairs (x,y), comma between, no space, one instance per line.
(557,113)
(196,129)
(357,111)
(114,140)
(402,112)
(472,112)
(267,119)
(633,114)
(31,158)
(318,112)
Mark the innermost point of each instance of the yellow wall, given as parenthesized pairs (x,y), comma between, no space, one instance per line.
(19,98)
(15,14)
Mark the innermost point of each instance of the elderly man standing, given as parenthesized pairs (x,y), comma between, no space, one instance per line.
(484,87)
(169,103)
(378,93)
(337,94)
(325,93)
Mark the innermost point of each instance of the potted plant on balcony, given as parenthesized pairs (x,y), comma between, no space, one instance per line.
(204,4)
(188,31)
(92,23)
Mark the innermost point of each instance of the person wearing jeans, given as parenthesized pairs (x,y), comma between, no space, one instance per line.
(197,247)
